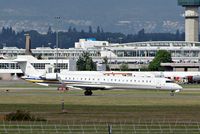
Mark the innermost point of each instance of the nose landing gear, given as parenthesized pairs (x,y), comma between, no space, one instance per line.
(172,93)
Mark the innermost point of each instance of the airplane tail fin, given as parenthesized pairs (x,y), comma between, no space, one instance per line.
(27,68)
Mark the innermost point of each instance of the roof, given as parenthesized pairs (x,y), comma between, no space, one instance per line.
(189,2)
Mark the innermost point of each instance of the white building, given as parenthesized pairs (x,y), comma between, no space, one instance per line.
(136,55)
(11,67)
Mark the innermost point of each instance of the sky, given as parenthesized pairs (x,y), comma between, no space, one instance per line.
(126,16)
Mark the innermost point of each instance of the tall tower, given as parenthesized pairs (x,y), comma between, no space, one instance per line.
(191,19)
(28,45)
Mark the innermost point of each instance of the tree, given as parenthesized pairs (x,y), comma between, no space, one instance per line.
(70,29)
(124,67)
(141,32)
(90,29)
(102,31)
(49,32)
(162,56)
(74,30)
(105,61)
(98,30)
(85,63)
(10,37)
(80,63)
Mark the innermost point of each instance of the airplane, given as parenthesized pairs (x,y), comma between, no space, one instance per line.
(93,82)
(89,82)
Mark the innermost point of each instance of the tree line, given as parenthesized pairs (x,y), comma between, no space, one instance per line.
(11,38)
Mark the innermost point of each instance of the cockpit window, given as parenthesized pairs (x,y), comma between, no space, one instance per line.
(169,81)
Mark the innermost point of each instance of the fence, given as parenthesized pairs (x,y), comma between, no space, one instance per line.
(145,127)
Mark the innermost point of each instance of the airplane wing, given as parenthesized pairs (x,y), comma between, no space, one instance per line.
(89,86)
(84,85)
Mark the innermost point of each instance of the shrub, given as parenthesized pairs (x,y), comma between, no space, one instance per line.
(21,115)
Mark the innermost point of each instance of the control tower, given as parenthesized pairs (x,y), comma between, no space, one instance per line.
(191,19)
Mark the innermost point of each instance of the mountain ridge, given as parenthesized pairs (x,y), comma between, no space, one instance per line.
(153,16)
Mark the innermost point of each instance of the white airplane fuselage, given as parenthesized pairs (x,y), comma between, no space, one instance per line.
(119,82)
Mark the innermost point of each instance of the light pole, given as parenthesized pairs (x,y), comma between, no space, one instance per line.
(139,61)
(57,18)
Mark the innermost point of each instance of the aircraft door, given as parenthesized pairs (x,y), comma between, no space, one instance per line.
(158,84)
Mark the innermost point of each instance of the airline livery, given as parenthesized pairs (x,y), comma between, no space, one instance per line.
(97,81)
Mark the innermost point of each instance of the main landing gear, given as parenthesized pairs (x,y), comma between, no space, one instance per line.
(88,93)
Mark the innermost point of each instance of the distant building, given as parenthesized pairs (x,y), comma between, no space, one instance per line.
(10,67)
(136,55)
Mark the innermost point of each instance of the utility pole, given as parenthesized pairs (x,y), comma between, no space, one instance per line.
(57,18)
(57,22)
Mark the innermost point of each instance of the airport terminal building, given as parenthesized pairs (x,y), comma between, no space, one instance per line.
(186,55)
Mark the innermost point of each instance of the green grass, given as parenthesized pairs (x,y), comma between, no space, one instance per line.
(190,85)
(121,108)
(104,105)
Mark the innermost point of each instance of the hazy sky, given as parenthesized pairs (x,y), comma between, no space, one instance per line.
(126,16)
